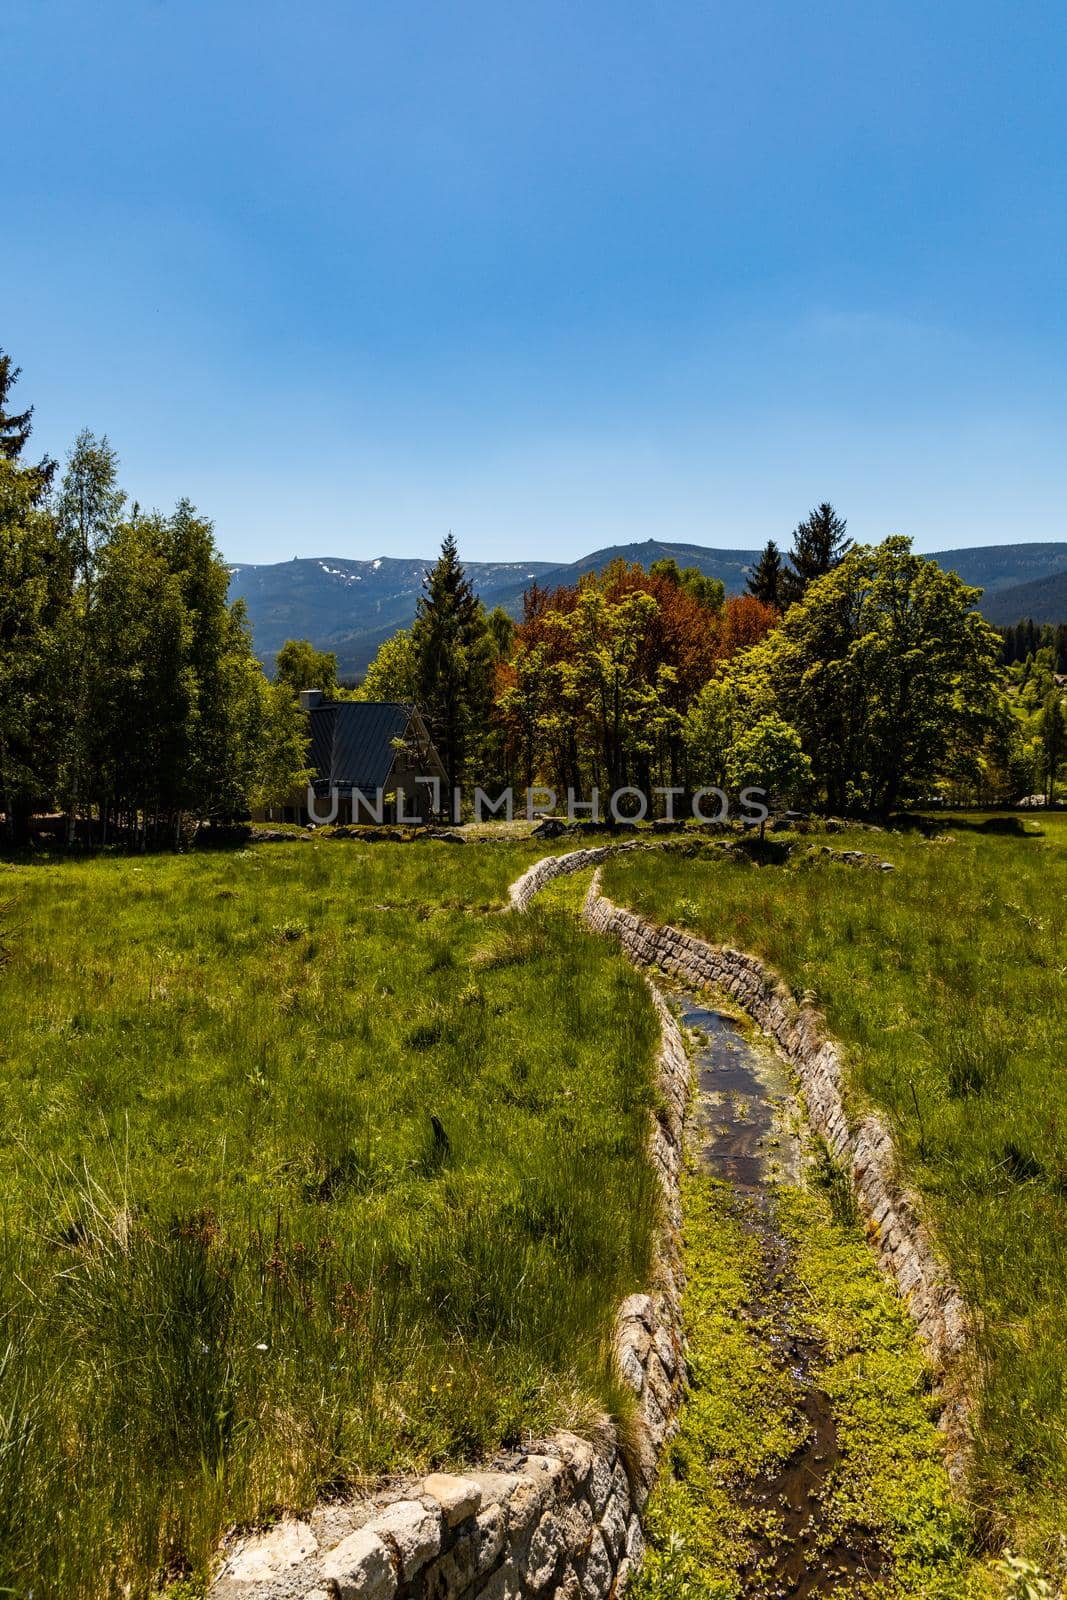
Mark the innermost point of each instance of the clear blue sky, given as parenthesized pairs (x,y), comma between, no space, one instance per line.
(350,273)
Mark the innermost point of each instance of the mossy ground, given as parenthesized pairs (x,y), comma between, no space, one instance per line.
(888,1488)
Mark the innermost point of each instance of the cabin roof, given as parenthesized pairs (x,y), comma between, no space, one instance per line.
(351,742)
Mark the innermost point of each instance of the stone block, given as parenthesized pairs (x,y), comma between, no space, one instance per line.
(599,1484)
(504,1584)
(458,1498)
(490,1530)
(269,1554)
(524,1507)
(412,1531)
(613,1523)
(597,1568)
(546,1552)
(361,1567)
(577,1453)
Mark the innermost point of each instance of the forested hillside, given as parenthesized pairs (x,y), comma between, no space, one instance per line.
(350,607)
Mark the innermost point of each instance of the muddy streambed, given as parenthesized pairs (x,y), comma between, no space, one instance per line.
(747,1134)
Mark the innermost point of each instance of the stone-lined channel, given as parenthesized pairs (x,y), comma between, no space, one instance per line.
(746,1133)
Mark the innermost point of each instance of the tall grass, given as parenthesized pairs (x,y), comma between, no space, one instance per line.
(311,1167)
(947,982)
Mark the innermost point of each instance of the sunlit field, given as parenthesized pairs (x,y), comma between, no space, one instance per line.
(946,979)
(313,1166)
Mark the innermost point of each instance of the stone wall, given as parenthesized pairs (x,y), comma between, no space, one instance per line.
(531,883)
(864,1148)
(561,1518)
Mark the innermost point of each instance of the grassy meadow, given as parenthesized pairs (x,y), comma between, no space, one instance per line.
(311,1166)
(946,980)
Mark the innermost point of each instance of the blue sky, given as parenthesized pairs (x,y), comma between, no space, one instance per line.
(551,275)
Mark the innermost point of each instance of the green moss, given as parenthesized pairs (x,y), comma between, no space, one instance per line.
(890,1477)
(737,1419)
(888,1489)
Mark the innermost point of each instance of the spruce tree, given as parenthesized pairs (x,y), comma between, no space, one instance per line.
(819,545)
(766,580)
(15,430)
(454,663)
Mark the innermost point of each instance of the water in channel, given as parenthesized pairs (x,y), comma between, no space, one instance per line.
(747,1134)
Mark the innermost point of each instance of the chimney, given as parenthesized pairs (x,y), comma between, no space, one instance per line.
(310,699)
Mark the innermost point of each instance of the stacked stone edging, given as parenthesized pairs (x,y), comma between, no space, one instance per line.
(866,1151)
(559,1519)
(533,880)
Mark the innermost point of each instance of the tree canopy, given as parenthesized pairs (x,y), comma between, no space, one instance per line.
(298,665)
(886,671)
(129,691)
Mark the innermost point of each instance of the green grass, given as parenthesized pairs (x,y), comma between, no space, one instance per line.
(947,982)
(240,1261)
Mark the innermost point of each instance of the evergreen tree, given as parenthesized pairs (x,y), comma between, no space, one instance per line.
(819,545)
(15,430)
(766,581)
(454,663)
(35,588)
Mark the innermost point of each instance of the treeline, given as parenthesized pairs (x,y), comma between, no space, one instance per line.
(871,682)
(1024,639)
(130,698)
(856,678)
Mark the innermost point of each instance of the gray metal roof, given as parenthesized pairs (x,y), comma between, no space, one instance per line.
(351,743)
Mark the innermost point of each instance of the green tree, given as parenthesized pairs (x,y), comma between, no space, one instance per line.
(706,591)
(767,579)
(501,631)
(142,686)
(454,664)
(89,507)
(819,545)
(35,591)
(1053,742)
(393,675)
(300,666)
(884,668)
(15,430)
(283,747)
(227,709)
(622,711)
(34,597)
(770,756)
(525,705)
(708,734)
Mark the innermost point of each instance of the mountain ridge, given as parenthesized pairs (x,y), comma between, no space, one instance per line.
(350,606)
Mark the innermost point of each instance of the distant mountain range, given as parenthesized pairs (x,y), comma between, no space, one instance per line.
(351,606)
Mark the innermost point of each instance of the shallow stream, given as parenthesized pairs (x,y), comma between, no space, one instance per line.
(747,1134)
